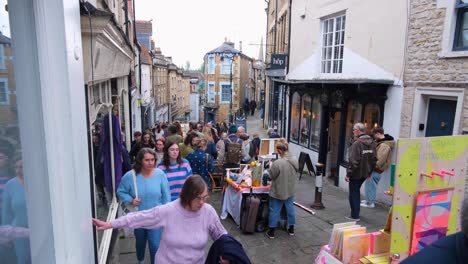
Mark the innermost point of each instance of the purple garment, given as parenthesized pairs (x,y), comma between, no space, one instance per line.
(106,155)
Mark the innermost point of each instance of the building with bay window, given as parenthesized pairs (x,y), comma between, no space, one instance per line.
(345,66)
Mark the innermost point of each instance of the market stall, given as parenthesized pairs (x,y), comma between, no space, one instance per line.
(235,193)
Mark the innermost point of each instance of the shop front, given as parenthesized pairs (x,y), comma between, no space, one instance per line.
(322,113)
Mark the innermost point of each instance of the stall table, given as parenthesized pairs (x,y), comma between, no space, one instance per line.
(234,194)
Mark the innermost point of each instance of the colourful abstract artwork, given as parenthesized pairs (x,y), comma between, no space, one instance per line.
(324,257)
(355,247)
(431,220)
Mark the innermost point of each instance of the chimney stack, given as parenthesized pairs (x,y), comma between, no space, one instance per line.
(240,46)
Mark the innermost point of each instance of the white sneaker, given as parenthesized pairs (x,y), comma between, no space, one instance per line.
(363,201)
(352,219)
(368,205)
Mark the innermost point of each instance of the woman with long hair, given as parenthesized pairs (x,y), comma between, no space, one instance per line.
(179,128)
(187,146)
(145,142)
(158,132)
(152,188)
(159,149)
(202,163)
(176,168)
(210,144)
(187,223)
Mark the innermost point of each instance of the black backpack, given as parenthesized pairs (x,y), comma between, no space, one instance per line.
(233,151)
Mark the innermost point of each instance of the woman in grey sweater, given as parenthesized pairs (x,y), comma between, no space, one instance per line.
(283,178)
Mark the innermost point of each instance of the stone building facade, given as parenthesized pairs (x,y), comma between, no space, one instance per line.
(220,63)
(436,70)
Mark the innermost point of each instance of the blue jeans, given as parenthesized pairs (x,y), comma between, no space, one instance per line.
(371,186)
(355,196)
(153,236)
(275,206)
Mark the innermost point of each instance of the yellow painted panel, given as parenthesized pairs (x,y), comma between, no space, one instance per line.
(449,148)
(454,215)
(399,243)
(408,170)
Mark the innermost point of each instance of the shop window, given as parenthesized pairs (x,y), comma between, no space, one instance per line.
(354,116)
(305,120)
(372,116)
(315,123)
(295,116)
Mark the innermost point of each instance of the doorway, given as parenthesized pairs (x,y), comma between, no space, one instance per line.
(333,145)
(440,117)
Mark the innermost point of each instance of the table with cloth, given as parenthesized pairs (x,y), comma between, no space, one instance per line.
(233,197)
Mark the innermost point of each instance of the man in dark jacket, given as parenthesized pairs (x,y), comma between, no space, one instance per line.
(362,159)
(451,249)
(253,105)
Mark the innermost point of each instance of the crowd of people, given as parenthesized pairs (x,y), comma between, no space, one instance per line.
(168,185)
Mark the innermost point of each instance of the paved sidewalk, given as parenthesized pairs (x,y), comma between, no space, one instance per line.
(312,231)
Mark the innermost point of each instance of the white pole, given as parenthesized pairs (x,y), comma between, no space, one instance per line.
(111,139)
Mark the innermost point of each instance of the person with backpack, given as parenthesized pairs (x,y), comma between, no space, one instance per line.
(232,149)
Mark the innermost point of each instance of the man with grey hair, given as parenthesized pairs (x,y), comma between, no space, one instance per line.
(362,159)
(451,249)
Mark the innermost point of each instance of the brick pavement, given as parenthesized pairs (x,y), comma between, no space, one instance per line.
(312,231)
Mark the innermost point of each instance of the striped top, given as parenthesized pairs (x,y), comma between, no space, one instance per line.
(176,176)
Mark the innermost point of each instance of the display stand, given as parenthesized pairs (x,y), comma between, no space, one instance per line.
(427,199)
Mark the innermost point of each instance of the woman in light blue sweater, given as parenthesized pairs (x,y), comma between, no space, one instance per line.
(153,190)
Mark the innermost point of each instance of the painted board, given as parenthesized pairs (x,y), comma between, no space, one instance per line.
(426,155)
(347,232)
(380,242)
(334,236)
(355,247)
(325,257)
(431,218)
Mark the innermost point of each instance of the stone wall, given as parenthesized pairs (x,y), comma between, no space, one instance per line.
(423,66)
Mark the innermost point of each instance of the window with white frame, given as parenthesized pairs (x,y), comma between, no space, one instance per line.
(333,31)
(4,93)
(226,66)
(211,92)
(461,29)
(225,92)
(211,64)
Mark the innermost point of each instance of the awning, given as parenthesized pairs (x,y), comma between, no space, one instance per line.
(275,73)
(336,81)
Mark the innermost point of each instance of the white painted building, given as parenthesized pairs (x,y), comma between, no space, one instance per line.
(345,66)
(194,107)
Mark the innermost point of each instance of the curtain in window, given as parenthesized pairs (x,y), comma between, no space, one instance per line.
(316,122)
(371,116)
(306,118)
(295,116)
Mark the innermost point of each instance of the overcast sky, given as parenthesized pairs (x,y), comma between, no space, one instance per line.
(187,29)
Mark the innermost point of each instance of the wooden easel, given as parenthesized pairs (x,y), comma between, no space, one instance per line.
(304,159)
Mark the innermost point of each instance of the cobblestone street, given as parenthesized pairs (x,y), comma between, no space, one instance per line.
(311,231)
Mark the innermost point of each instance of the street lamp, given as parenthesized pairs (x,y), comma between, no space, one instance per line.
(230,57)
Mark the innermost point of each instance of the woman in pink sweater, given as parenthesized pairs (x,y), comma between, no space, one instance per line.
(186,223)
